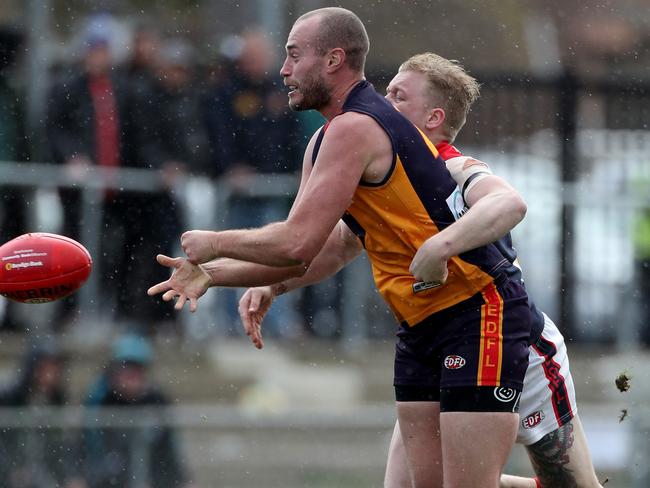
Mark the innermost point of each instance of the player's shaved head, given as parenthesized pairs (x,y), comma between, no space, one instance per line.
(339,27)
(450,87)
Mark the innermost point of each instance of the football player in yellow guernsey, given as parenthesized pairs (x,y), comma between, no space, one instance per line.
(436,94)
(372,181)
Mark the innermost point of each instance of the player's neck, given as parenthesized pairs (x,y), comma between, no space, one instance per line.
(339,95)
(435,136)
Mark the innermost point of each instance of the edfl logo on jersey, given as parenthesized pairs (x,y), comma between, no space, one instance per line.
(533,420)
(454,362)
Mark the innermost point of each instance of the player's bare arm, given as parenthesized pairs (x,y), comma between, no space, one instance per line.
(495,209)
(198,244)
(353,148)
(189,281)
(234,273)
(341,248)
(329,186)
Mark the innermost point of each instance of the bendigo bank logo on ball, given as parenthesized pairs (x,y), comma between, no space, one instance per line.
(27,264)
(42,267)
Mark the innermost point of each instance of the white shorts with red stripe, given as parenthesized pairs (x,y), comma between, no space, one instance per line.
(548,400)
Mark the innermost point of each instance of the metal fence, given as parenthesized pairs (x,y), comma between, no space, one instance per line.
(578,150)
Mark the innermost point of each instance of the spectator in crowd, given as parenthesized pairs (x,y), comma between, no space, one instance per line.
(95,118)
(13,147)
(141,64)
(86,126)
(135,455)
(173,140)
(253,132)
(215,73)
(37,456)
(176,139)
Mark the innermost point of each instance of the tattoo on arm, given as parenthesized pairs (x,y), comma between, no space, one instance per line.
(550,458)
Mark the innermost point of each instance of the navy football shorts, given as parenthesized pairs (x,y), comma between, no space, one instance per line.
(469,357)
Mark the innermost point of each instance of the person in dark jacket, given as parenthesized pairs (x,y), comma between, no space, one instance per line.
(172,140)
(134,456)
(35,456)
(13,148)
(253,133)
(95,118)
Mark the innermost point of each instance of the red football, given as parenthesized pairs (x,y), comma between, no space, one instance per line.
(42,267)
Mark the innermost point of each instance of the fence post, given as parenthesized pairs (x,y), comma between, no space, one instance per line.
(39,40)
(91,230)
(567,114)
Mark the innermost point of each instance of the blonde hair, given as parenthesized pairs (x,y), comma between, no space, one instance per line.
(450,88)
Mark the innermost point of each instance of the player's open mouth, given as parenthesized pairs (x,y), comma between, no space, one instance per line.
(292,89)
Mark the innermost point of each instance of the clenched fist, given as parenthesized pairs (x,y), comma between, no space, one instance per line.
(430,263)
(198,245)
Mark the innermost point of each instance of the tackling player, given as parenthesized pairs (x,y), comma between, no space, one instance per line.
(436,95)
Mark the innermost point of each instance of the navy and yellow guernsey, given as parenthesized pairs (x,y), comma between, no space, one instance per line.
(415,200)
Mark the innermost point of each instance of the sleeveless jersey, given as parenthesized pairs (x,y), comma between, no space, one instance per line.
(393,218)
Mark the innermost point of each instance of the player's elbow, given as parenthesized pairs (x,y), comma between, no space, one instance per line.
(517,206)
(303,252)
(298,270)
(304,242)
(304,256)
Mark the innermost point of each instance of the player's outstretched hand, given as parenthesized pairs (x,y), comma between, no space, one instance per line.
(188,282)
(197,244)
(253,306)
(429,264)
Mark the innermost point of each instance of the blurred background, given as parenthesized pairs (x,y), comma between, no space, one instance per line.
(124,123)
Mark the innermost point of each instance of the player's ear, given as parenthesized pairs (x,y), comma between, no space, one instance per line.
(435,118)
(335,59)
